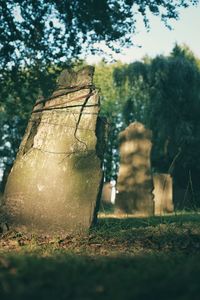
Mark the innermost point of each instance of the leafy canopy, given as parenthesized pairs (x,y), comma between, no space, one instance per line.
(55,30)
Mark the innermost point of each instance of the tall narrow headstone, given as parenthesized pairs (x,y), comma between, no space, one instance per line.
(55,183)
(163,193)
(135,183)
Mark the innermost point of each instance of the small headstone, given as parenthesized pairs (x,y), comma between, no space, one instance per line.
(163,193)
(135,183)
(109,192)
(56,181)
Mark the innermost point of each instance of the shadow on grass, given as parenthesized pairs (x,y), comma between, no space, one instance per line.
(136,222)
(167,234)
(131,258)
(82,277)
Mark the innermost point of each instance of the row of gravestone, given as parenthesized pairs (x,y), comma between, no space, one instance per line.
(139,192)
(56,181)
(162,193)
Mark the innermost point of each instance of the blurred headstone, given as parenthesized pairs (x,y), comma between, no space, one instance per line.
(163,196)
(135,183)
(109,192)
(56,181)
(106,193)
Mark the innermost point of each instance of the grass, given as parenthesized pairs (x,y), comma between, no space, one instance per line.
(121,258)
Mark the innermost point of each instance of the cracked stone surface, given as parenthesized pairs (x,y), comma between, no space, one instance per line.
(55,183)
(135,183)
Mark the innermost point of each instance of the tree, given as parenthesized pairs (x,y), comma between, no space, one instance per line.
(51,30)
(132,82)
(174,111)
(111,107)
(164,93)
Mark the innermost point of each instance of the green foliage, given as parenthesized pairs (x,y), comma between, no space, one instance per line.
(132,82)
(174,111)
(164,94)
(111,107)
(48,30)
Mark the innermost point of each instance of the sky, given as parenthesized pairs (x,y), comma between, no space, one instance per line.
(161,40)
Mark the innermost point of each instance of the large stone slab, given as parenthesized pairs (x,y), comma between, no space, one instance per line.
(163,196)
(135,183)
(55,183)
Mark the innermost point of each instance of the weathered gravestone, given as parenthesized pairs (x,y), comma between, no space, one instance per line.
(163,197)
(135,183)
(55,183)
